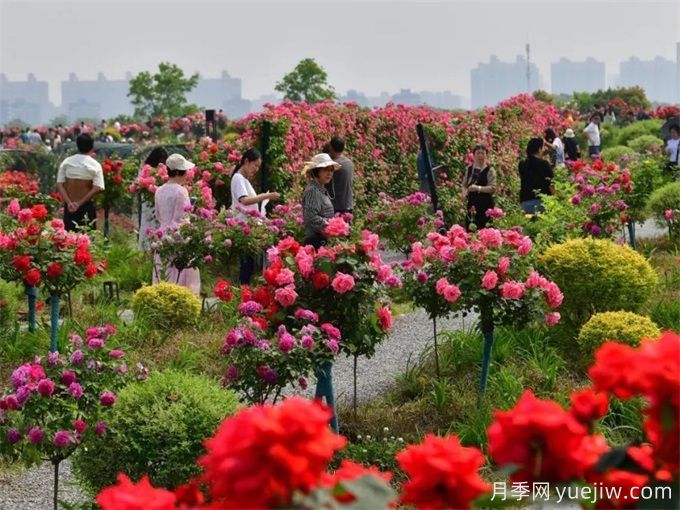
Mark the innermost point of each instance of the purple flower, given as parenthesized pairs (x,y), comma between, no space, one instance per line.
(268,375)
(595,230)
(122,369)
(107,399)
(116,353)
(263,345)
(303,383)
(100,428)
(95,343)
(110,329)
(13,436)
(20,376)
(232,373)
(307,342)
(12,402)
(35,435)
(53,359)
(46,387)
(75,339)
(68,377)
(61,439)
(22,395)
(393,281)
(575,200)
(76,390)
(307,315)
(422,276)
(249,308)
(77,357)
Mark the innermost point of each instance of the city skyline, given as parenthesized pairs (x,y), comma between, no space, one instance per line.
(372,46)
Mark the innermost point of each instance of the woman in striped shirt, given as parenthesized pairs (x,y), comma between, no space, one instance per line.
(317,207)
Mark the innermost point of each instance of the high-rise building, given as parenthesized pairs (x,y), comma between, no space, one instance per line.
(567,77)
(95,99)
(25,100)
(444,100)
(220,93)
(495,81)
(657,77)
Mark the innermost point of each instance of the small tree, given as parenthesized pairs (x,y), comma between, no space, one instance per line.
(163,93)
(307,82)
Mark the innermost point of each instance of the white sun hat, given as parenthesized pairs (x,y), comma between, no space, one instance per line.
(178,162)
(321,160)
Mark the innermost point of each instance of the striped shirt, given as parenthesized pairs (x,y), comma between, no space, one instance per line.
(317,208)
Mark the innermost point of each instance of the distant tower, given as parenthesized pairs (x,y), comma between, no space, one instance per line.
(528,51)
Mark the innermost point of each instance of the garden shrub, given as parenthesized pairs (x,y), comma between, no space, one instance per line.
(172,305)
(666,198)
(598,276)
(636,129)
(10,299)
(646,143)
(157,428)
(614,154)
(624,327)
(647,175)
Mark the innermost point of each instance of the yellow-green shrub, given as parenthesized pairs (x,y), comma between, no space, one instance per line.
(167,303)
(598,276)
(624,327)
(646,143)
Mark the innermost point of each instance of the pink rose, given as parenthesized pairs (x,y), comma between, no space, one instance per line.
(452,293)
(336,227)
(512,290)
(417,254)
(285,296)
(525,246)
(503,265)
(385,318)
(553,295)
(669,214)
(490,237)
(489,280)
(342,283)
(552,318)
(285,277)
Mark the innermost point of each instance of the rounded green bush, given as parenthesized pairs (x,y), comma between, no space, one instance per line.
(167,304)
(614,154)
(157,428)
(642,127)
(598,276)
(664,198)
(646,143)
(624,327)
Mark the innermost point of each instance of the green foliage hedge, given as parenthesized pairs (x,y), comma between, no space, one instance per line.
(646,143)
(636,129)
(614,154)
(624,327)
(157,428)
(598,276)
(167,303)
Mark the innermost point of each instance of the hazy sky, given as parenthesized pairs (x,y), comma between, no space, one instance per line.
(371,46)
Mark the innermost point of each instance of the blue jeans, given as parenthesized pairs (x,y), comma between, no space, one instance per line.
(593,150)
(532,206)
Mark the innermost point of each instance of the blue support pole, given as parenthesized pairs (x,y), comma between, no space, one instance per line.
(54,321)
(32,294)
(631,234)
(486,358)
(324,389)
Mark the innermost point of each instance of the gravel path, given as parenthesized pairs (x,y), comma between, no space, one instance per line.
(411,334)
(31,489)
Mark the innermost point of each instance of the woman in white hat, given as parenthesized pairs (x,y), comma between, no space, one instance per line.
(171,199)
(571,148)
(317,207)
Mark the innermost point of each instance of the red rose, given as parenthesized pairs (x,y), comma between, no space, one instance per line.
(117,179)
(246,294)
(54,270)
(90,270)
(543,440)
(262,455)
(442,474)
(320,280)
(347,472)
(588,405)
(32,277)
(39,211)
(21,263)
(263,296)
(385,318)
(214,148)
(82,257)
(223,291)
(142,496)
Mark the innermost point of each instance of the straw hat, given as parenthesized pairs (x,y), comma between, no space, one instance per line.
(320,161)
(569,133)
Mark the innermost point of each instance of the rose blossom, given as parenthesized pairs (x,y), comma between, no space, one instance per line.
(489,280)
(107,399)
(512,290)
(343,283)
(62,439)
(285,296)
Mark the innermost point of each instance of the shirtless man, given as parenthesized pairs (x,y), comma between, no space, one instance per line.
(79,179)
